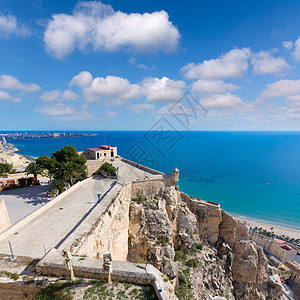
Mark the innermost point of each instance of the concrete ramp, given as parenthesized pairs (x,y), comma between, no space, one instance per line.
(4,218)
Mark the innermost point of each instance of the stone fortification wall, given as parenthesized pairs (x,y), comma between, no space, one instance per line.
(110,232)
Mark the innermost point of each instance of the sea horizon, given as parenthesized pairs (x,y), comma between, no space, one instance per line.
(263,187)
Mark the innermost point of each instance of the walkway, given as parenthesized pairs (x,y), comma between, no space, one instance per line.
(52,224)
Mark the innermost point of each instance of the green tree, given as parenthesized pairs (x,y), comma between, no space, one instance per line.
(59,184)
(5,168)
(34,169)
(69,172)
(47,164)
(69,165)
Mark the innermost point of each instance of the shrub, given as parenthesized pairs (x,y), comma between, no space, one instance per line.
(178,255)
(5,168)
(198,246)
(162,240)
(109,169)
(192,263)
(139,199)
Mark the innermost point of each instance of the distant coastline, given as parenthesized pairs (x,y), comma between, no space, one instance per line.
(15,136)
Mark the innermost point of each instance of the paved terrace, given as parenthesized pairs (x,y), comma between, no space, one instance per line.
(49,226)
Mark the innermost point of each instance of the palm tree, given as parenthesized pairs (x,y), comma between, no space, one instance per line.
(69,172)
(59,185)
(34,169)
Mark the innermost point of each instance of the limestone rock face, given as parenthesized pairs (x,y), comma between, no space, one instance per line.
(171,269)
(251,273)
(200,247)
(156,224)
(208,215)
(296,291)
(228,228)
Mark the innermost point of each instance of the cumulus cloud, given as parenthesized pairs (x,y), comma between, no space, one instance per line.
(64,111)
(287,45)
(4,96)
(116,90)
(111,114)
(51,96)
(108,87)
(162,90)
(221,101)
(9,26)
(281,88)
(69,95)
(264,63)
(203,86)
(138,108)
(296,52)
(11,83)
(233,64)
(97,26)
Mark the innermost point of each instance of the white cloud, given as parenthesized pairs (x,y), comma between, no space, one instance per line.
(138,108)
(9,25)
(108,87)
(97,26)
(230,65)
(264,63)
(63,111)
(11,83)
(116,90)
(281,88)
(4,96)
(162,90)
(111,114)
(69,95)
(203,86)
(294,98)
(296,52)
(221,101)
(51,96)
(287,44)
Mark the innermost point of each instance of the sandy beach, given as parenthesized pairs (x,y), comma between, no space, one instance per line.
(292,233)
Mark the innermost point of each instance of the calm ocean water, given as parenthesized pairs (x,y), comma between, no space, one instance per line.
(251,174)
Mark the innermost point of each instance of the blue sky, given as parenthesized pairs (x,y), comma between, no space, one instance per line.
(122,65)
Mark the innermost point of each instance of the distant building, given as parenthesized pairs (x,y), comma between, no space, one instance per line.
(102,153)
(283,251)
(280,249)
(295,269)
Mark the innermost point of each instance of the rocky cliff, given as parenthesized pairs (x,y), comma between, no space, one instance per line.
(202,250)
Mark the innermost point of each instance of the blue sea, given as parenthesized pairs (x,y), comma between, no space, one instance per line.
(251,174)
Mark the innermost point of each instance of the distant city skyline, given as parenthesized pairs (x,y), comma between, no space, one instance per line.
(121,65)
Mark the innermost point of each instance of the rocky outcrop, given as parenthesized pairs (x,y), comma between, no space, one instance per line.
(203,251)
(296,291)
(209,217)
(253,278)
(13,158)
